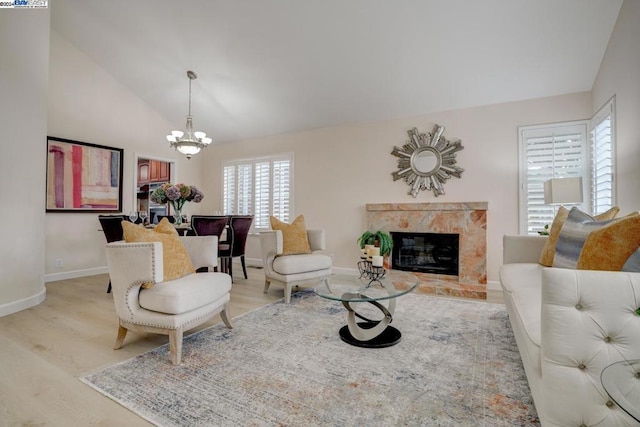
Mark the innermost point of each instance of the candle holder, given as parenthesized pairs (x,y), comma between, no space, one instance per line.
(369,271)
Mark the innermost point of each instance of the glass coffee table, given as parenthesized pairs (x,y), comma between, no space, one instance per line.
(621,381)
(352,289)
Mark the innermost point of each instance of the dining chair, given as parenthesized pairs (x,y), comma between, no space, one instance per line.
(169,217)
(112,228)
(209,225)
(239,226)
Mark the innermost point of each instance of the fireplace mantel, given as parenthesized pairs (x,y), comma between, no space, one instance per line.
(468,219)
(467,206)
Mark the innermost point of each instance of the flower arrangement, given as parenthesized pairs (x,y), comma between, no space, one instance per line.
(177,195)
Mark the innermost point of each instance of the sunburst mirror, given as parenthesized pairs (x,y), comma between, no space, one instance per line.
(426,161)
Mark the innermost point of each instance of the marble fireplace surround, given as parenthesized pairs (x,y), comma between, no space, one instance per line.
(468,219)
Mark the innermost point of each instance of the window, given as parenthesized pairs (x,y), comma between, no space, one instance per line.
(562,150)
(548,151)
(602,155)
(260,187)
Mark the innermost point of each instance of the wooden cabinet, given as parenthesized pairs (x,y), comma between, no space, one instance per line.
(158,171)
(143,173)
(152,171)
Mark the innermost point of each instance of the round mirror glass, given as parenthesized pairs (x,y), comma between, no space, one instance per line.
(425,161)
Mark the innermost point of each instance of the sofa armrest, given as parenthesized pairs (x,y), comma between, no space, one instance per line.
(522,248)
(588,322)
(203,250)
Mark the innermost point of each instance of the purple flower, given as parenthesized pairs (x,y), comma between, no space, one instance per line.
(196,195)
(172,193)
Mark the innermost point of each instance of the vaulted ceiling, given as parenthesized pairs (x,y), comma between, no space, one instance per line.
(275,66)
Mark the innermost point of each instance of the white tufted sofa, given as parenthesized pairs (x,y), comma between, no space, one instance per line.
(569,325)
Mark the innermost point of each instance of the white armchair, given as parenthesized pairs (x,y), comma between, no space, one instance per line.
(169,307)
(293,270)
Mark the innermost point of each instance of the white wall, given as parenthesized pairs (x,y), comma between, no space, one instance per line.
(23,120)
(619,75)
(87,104)
(339,170)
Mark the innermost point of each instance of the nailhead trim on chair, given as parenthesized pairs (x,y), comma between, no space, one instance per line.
(155,325)
(182,326)
(135,285)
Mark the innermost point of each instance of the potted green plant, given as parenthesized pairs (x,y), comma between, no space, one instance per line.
(379,239)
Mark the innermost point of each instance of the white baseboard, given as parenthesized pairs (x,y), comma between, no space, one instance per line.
(23,304)
(53,277)
(493,285)
(251,262)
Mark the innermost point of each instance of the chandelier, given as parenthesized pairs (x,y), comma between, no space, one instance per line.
(188,142)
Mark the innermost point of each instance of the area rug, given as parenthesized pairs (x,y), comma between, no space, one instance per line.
(285,365)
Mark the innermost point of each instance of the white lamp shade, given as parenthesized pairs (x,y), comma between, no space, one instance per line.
(206,140)
(177,133)
(199,135)
(171,138)
(563,190)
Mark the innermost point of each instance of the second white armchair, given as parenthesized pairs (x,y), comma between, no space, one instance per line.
(293,270)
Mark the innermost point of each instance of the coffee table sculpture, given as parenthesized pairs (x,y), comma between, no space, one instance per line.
(352,289)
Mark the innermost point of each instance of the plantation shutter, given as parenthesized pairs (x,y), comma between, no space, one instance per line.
(554,151)
(228,189)
(602,173)
(260,187)
(263,195)
(281,190)
(244,191)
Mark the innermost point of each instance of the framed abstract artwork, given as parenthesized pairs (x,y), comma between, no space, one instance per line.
(83,177)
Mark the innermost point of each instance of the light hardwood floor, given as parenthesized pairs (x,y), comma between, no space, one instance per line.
(43,351)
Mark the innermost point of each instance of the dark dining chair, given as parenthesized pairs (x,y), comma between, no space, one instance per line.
(239,226)
(112,229)
(209,225)
(171,218)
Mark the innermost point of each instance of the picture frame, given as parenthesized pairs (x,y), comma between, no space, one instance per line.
(83,177)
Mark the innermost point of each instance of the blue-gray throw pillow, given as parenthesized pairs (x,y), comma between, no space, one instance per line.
(572,236)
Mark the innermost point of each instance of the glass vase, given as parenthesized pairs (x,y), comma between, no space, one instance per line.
(177,215)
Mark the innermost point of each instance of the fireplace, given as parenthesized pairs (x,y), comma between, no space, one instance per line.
(426,252)
(466,220)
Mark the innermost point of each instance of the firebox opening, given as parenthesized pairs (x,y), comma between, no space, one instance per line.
(426,252)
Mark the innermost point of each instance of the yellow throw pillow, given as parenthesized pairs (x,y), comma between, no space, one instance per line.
(549,251)
(175,257)
(294,235)
(609,247)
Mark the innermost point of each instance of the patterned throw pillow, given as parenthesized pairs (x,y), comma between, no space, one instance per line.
(294,235)
(175,257)
(548,252)
(614,247)
(574,234)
